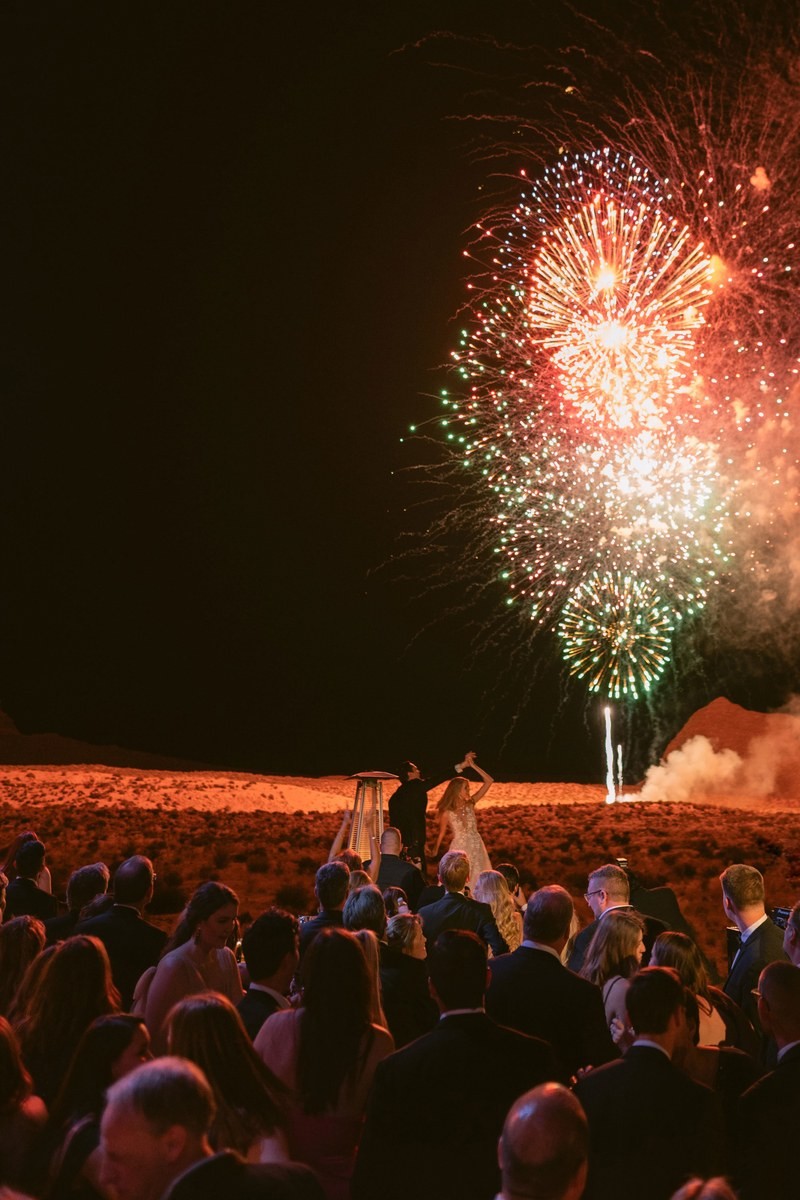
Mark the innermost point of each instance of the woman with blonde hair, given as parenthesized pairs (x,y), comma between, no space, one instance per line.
(613,958)
(369,944)
(491,888)
(207,1029)
(457,809)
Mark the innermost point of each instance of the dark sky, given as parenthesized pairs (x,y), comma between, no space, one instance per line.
(232,267)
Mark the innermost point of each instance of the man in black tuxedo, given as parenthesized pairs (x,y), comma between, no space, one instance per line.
(154,1144)
(445,1096)
(769,1111)
(544,1146)
(609,888)
(533,992)
(650,1125)
(457,911)
(761,941)
(23,896)
(330,888)
(271,954)
(133,944)
(395,871)
(408,806)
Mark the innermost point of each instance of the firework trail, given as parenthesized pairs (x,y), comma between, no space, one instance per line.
(626,379)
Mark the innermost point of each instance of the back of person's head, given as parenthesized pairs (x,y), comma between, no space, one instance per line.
(391,840)
(457,969)
(165,1092)
(350,858)
(267,941)
(358,879)
(510,874)
(365,909)
(544,1146)
(401,931)
(86,883)
(335,1016)
(613,881)
(675,949)
(30,859)
(548,915)
(405,770)
(779,988)
(331,883)
(21,940)
(491,888)
(454,870)
(133,880)
(99,1060)
(654,995)
(15,1082)
(395,901)
(717,1188)
(75,988)
(744,886)
(205,900)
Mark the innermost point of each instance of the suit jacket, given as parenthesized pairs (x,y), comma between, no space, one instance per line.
(58,929)
(407,1002)
(769,1112)
(396,872)
(762,947)
(329,917)
(228,1175)
(649,1123)
(450,1091)
(24,898)
(652,928)
(133,945)
(532,992)
(457,911)
(254,1008)
(407,808)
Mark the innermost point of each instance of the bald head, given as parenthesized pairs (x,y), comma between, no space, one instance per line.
(133,881)
(544,1146)
(779,1002)
(391,841)
(548,916)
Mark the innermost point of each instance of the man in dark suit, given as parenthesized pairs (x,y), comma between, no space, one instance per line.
(395,871)
(271,954)
(330,888)
(533,992)
(84,884)
(154,1144)
(649,1122)
(608,889)
(769,1111)
(407,808)
(449,1090)
(133,944)
(761,941)
(23,896)
(457,911)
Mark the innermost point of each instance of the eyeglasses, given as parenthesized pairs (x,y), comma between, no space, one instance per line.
(586,895)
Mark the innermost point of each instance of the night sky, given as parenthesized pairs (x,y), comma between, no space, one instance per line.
(232,270)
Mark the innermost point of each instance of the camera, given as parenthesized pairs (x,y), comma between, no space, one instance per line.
(780,917)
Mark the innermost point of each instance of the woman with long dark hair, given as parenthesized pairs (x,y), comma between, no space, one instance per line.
(73,989)
(195,959)
(207,1029)
(612,959)
(326,1053)
(21,939)
(110,1048)
(22,1114)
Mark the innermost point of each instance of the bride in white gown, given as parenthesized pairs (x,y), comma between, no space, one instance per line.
(457,808)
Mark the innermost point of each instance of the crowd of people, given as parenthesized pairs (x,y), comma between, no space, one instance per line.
(454,1040)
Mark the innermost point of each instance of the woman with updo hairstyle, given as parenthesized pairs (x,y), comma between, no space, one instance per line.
(207,1029)
(722,1021)
(491,888)
(612,959)
(407,1001)
(22,1114)
(20,941)
(73,989)
(326,1053)
(195,959)
(110,1048)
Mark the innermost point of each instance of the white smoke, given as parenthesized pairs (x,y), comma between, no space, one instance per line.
(693,770)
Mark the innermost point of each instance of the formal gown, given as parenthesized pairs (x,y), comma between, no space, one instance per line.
(464,828)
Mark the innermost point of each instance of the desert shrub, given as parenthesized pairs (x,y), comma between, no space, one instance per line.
(221,857)
(294,897)
(168,899)
(257,862)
